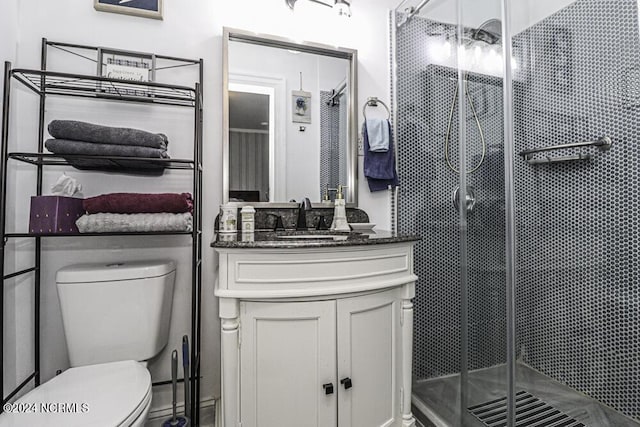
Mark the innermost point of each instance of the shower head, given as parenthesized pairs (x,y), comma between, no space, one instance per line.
(485,36)
(489,32)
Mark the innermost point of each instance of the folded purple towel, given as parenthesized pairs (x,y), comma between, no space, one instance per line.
(129,203)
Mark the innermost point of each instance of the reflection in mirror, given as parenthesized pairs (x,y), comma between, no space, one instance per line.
(250,136)
(333,140)
(290,130)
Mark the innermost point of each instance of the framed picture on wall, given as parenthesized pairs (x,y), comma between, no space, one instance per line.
(301,106)
(144,8)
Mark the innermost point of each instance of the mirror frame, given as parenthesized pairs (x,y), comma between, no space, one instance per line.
(232,34)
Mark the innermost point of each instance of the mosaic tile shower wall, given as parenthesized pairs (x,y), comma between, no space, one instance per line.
(578,290)
(425,95)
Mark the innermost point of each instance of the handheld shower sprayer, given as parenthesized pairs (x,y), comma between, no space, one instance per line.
(489,32)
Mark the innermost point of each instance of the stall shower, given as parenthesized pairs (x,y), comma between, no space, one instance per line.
(558,342)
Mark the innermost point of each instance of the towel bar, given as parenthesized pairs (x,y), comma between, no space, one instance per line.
(564,159)
(373,101)
(603,143)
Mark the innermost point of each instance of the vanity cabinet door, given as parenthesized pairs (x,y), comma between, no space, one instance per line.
(369,369)
(287,354)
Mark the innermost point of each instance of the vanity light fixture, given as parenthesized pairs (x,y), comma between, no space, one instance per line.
(343,7)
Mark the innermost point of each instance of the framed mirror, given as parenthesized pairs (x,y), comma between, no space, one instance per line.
(290,124)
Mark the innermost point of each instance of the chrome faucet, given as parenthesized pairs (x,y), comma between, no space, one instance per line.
(305,206)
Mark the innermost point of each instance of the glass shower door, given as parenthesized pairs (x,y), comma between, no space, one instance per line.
(449,94)
(576,114)
(482,210)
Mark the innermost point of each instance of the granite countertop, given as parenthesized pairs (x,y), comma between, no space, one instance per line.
(279,240)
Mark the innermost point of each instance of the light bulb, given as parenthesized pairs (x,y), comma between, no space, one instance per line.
(446,46)
(477,52)
(463,56)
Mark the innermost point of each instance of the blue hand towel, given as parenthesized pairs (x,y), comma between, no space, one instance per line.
(379,135)
(379,168)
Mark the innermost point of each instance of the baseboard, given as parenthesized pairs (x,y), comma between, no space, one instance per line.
(208,414)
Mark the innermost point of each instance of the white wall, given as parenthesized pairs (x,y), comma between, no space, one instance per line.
(8,32)
(192,30)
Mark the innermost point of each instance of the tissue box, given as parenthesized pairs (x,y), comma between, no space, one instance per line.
(54,215)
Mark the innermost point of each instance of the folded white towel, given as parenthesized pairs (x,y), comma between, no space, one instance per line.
(113,223)
(379,135)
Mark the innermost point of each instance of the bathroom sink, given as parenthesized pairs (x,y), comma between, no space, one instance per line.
(314,237)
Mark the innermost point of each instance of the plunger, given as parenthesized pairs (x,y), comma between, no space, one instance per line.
(175,420)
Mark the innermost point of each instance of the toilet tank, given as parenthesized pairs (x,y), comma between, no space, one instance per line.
(116,311)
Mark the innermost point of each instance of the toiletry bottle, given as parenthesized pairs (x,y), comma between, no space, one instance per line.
(340,213)
(228,219)
(325,198)
(248,219)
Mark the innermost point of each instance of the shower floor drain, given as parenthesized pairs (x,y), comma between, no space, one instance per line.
(530,412)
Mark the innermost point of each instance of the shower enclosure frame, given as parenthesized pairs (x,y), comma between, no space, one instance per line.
(549,318)
(463,229)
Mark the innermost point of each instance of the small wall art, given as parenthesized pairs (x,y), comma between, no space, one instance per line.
(126,66)
(301,106)
(144,8)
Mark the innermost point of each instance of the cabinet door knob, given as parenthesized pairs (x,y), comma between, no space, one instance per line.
(328,388)
(347,383)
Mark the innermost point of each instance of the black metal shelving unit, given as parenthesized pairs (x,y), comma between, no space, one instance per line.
(46,83)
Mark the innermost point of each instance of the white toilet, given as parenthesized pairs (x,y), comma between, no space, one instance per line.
(116,316)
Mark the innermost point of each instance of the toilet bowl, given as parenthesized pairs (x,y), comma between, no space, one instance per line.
(114,316)
(114,394)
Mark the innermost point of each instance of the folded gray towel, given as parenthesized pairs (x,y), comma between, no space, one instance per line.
(65,146)
(136,167)
(88,132)
(146,167)
(378,131)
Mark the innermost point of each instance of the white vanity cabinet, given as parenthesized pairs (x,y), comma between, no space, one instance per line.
(287,352)
(317,337)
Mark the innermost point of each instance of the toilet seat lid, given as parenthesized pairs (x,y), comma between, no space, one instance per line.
(96,395)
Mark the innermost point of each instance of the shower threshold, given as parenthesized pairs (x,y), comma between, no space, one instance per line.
(436,402)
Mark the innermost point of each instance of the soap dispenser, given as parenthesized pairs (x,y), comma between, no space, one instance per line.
(340,213)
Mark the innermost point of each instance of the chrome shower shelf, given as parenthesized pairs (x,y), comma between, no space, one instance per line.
(604,144)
